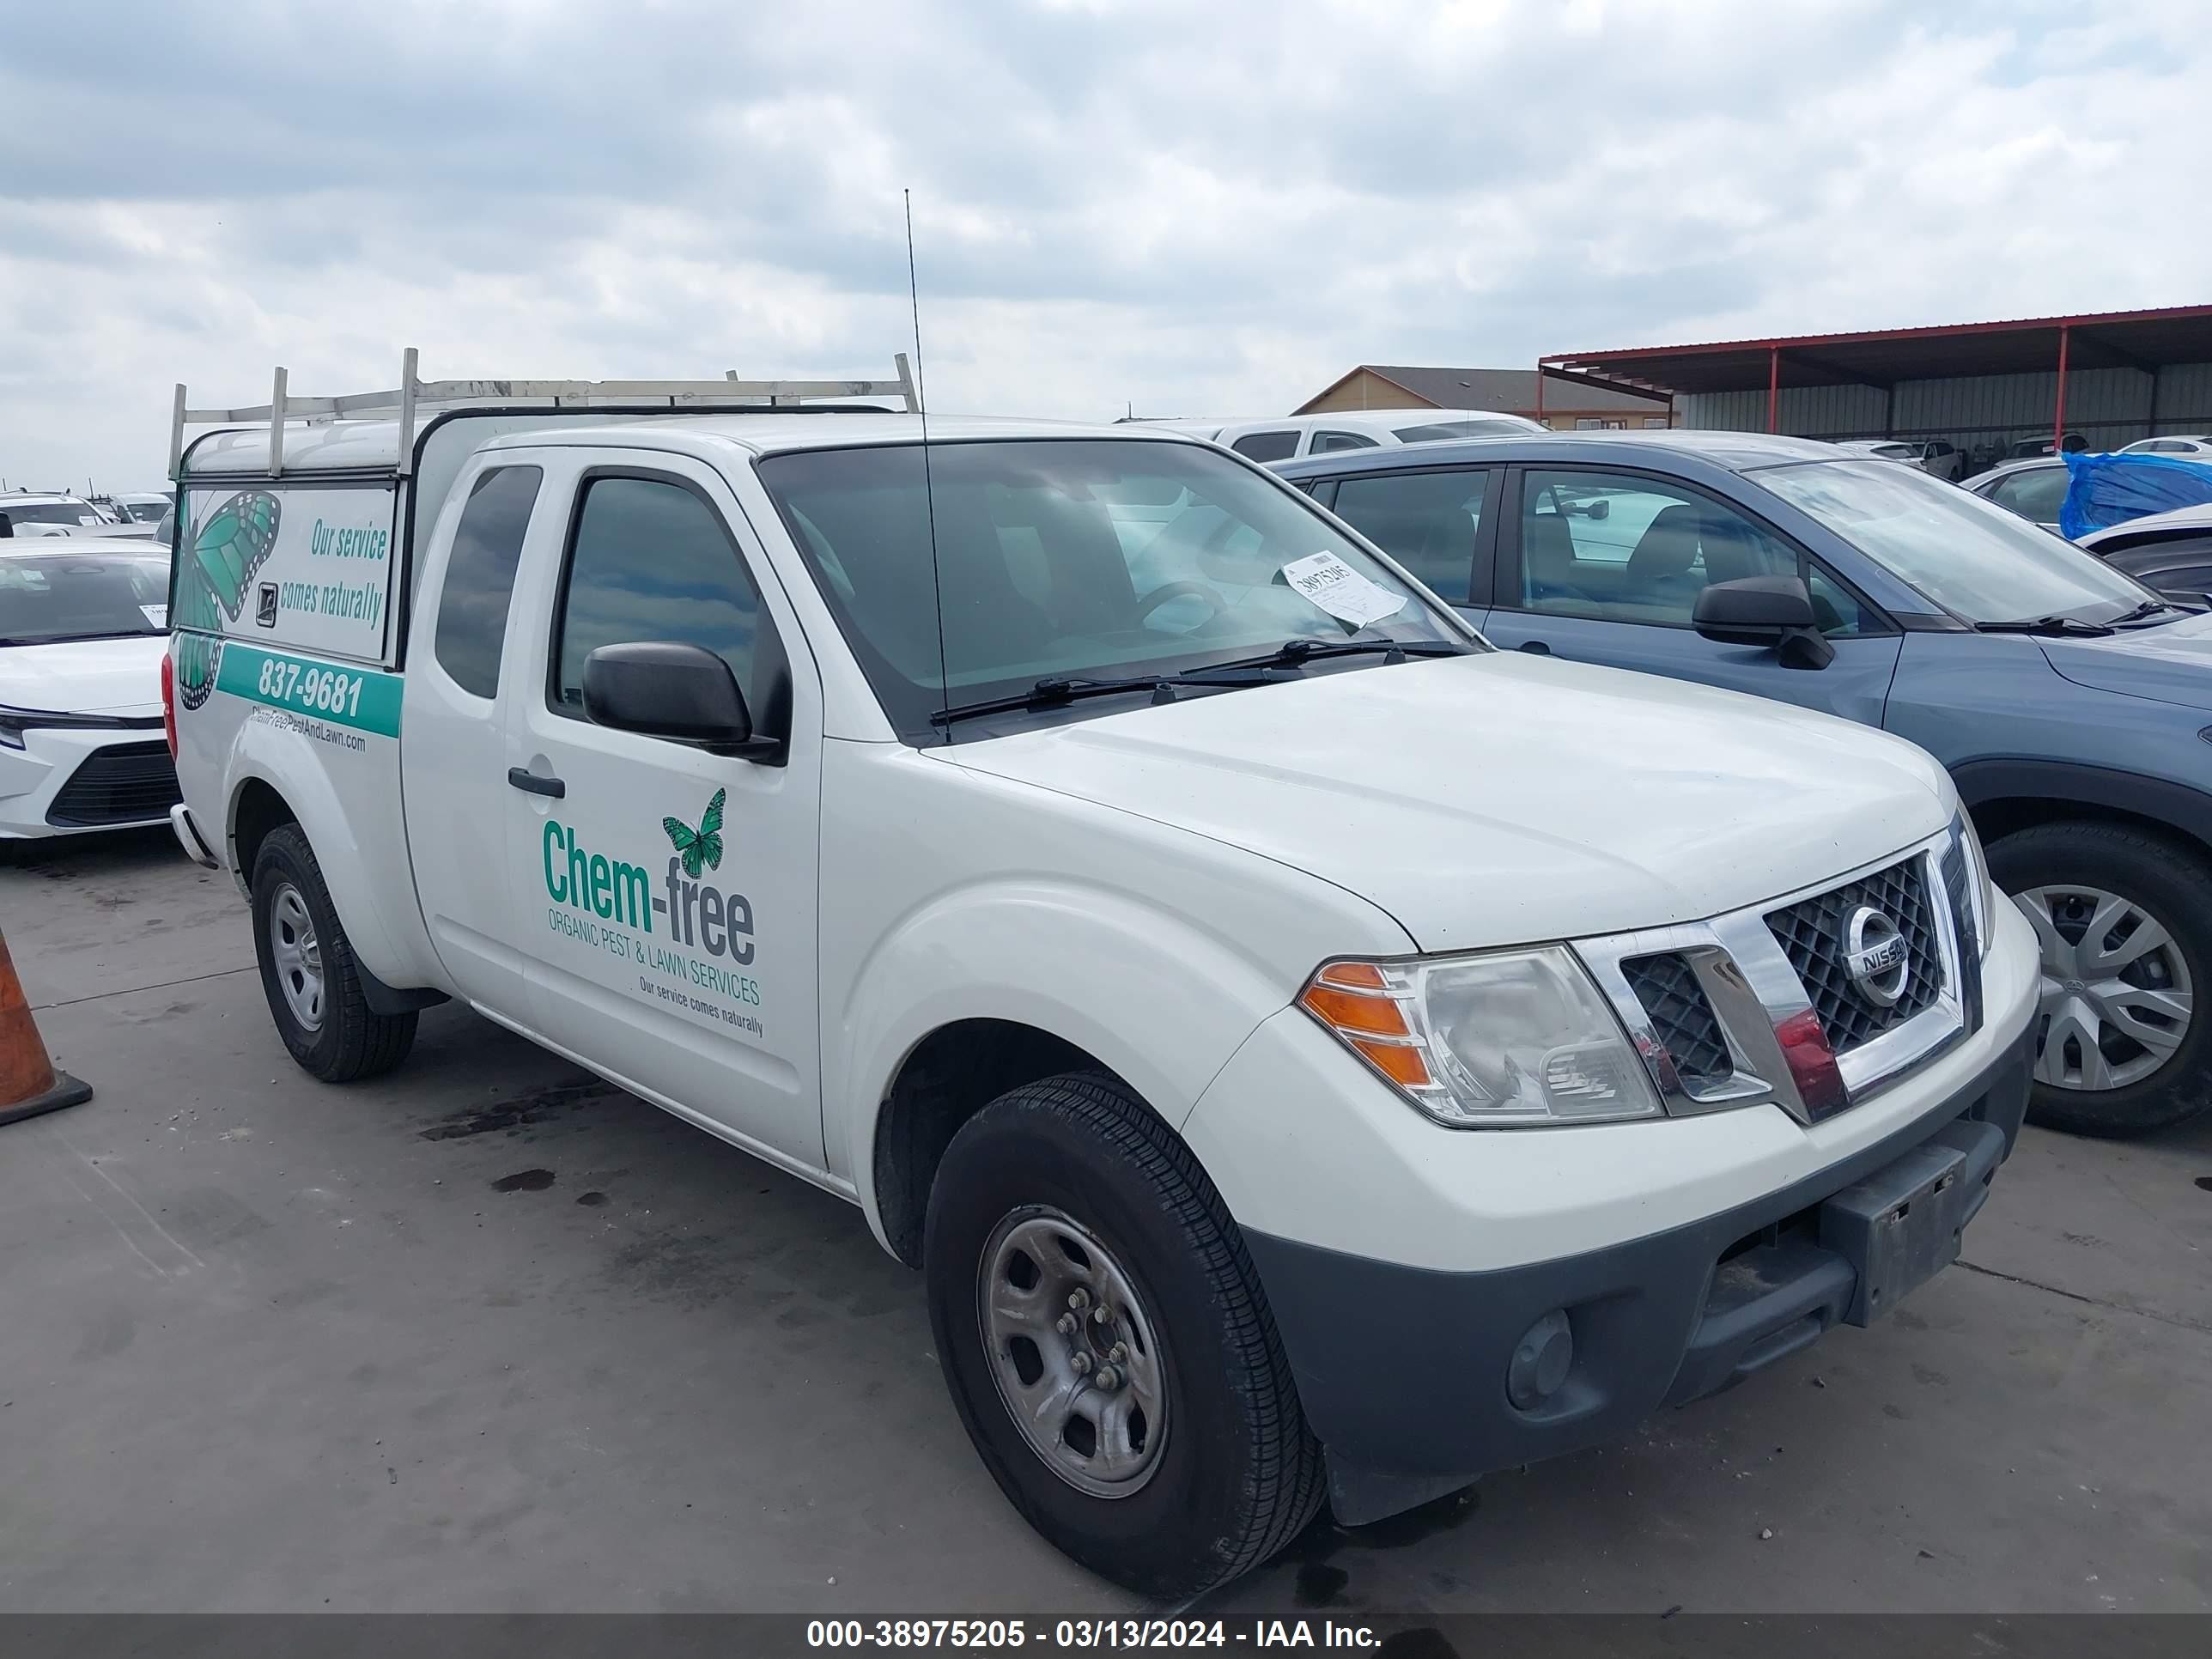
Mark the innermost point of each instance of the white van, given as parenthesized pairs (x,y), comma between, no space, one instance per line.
(1288,436)
(1309,1054)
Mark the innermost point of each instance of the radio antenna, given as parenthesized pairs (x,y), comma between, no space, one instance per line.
(928,488)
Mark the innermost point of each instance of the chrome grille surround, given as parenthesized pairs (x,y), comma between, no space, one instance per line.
(1765,1009)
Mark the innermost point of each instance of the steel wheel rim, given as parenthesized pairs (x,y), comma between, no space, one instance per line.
(1087,1394)
(297,955)
(2116,1001)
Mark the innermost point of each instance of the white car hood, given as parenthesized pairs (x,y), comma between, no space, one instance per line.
(1504,798)
(85,677)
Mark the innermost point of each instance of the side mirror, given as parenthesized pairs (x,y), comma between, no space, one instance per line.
(1774,611)
(666,688)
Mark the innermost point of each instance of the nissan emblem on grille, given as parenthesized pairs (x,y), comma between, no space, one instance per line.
(1876,956)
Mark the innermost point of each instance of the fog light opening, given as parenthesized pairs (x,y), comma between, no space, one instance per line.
(1541,1359)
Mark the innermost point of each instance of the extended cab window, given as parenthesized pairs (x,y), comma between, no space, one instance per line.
(1424,520)
(480,577)
(1621,548)
(651,561)
(1328,443)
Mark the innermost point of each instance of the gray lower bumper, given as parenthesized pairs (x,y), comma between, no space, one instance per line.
(1403,1371)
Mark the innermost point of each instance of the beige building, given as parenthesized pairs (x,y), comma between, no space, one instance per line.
(1567,407)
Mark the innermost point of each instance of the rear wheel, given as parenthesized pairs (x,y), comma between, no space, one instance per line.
(308,972)
(1107,1343)
(2124,921)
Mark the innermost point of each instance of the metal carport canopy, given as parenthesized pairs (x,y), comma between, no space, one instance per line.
(2144,340)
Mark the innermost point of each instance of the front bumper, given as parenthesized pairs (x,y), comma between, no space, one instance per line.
(1408,1266)
(46,788)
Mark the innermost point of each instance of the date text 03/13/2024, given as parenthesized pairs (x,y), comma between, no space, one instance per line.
(1073,1635)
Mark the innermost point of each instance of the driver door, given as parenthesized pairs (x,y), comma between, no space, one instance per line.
(672,891)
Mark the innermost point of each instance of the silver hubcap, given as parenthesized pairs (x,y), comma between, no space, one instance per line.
(1078,1362)
(298,956)
(2116,1000)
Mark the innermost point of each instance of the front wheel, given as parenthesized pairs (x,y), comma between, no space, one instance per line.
(308,969)
(2124,921)
(1106,1344)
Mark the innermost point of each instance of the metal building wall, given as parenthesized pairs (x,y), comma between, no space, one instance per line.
(2107,406)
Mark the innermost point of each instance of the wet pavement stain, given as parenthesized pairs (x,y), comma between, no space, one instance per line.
(524,1180)
(1319,1583)
(2204,1183)
(540,1106)
(593,1200)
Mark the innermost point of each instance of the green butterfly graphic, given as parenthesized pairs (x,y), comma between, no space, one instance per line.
(227,547)
(702,846)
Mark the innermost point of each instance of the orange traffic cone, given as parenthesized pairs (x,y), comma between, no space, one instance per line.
(29,1085)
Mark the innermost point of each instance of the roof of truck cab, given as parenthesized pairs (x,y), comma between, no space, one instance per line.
(373,445)
(779,433)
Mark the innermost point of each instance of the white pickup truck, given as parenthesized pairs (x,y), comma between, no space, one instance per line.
(1310,1055)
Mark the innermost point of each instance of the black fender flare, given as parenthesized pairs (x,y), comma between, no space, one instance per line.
(2157,800)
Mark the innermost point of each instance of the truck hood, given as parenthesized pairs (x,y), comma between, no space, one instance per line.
(85,677)
(2171,663)
(1503,799)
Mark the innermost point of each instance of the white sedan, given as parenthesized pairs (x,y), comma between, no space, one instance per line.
(2186,445)
(83,627)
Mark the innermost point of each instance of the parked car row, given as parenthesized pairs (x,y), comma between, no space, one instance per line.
(2065,698)
(24,514)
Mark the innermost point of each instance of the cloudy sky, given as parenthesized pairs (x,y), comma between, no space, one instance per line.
(1192,209)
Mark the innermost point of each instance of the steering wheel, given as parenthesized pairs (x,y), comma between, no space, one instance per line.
(1169,590)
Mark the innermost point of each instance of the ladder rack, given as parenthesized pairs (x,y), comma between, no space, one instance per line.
(412,395)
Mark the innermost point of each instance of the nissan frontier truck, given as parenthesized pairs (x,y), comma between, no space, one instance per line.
(1309,1056)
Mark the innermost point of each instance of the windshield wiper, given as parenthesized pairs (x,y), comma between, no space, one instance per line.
(1051,693)
(2073,626)
(1292,653)
(2148,608)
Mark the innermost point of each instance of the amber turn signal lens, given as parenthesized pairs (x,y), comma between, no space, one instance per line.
(1351,1013)
(1401,1062)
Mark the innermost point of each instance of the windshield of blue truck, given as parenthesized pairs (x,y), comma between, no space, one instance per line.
(1973,558)
(1076,559)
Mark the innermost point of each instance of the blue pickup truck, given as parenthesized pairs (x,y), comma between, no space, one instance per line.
(2072,705)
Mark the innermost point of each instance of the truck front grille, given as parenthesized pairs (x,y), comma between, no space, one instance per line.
(123,783)
(1811,934)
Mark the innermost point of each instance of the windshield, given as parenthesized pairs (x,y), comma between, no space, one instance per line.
(1071,558)
(1435,431)
(145,512)
(76,512)
(82,596)
(1971,557)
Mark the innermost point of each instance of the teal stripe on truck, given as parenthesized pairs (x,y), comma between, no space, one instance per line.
(365,699)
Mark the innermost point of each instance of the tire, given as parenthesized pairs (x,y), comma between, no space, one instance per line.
(345,1040)
(1233,1473)
(2166,885)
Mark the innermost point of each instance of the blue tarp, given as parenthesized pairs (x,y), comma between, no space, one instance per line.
(2108,490)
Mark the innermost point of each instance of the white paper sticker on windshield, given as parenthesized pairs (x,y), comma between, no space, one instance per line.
(1342,592)
(157,616)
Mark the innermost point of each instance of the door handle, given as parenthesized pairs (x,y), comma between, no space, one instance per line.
(535,784)
(1534,647)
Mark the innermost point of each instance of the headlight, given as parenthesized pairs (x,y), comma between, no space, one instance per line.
(1978,890)
(11,732)
(1504,1038)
